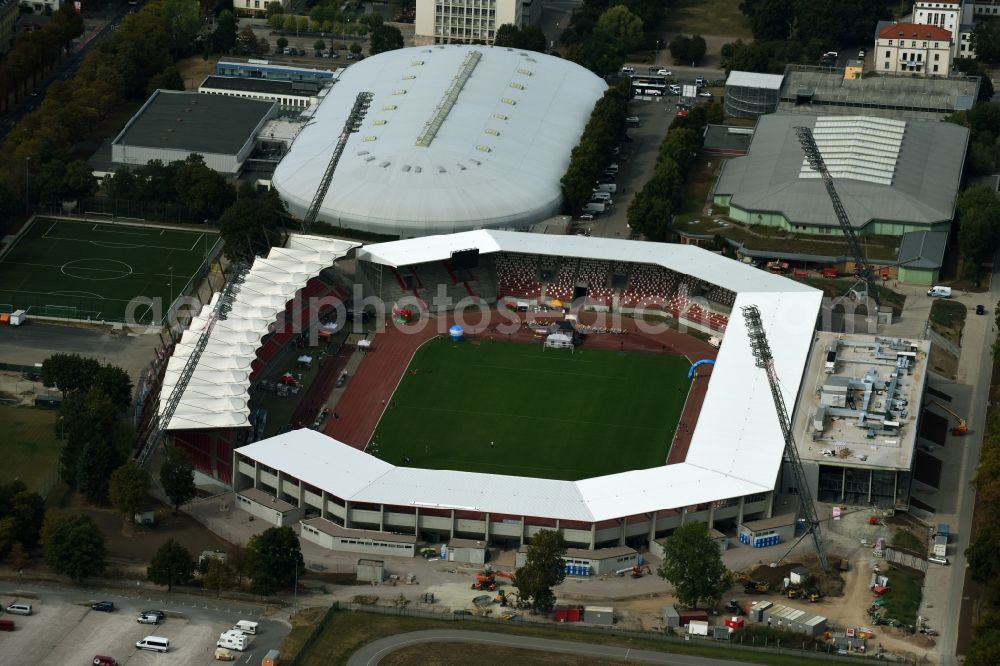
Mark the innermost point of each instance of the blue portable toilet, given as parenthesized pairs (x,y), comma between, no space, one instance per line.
(456,333)
(444,552)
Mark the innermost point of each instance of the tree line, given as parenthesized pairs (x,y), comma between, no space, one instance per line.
(801,31)
(983,554)
(591,156)
(601,33)
(655,205)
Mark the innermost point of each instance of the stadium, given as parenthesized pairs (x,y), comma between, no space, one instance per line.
(456,138)
(614,441)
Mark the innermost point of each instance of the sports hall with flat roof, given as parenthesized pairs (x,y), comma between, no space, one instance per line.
(93,270)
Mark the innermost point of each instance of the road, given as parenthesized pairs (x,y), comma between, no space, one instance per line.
(975,370)
(373,653)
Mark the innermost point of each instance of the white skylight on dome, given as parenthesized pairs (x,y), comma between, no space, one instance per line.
(857,147)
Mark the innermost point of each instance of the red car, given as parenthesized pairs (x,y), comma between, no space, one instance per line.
(101,660)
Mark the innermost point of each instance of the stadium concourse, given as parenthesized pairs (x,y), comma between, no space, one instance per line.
(728,473)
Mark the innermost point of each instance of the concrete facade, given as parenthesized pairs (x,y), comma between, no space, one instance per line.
(601,561)
(467,551)
(330,535)
(457,523)
(464,21)
(268,508)
(370,571)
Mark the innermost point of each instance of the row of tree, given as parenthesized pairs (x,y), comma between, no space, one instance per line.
(35,53)
(121,70)
(978,213)
(654,206)
(688,50)
(196,191)
(530,37)
(983,121)
(591,156)
(983,554)
(805,21)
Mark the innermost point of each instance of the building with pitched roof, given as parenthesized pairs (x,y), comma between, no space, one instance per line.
(924,50)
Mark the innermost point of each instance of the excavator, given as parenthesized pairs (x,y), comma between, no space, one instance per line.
(487,580)
(961,428)
(638,571)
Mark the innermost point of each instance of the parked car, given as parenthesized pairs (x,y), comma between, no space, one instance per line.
(103,606)
(158,613)
(701,82)
(704,93)
(665,72)
(980,310)
(675,89)
(861,54)
(586,216)
(102,660)
(19,609)
(148,618)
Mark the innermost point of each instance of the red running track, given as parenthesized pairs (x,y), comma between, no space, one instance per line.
(373,383)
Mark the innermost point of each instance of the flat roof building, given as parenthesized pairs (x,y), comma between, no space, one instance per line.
(893,176)
(812,90)
(290,95)
(172,125)
(855,423)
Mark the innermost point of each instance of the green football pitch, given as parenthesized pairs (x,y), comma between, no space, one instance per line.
(521,410)
(93,270)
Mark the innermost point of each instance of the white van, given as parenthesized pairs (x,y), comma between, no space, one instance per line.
(247,627)
(600,195)
(154,643)
(939,292)
(19,609)
(628,71)
(233,640)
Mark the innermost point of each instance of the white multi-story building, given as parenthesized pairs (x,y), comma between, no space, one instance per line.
(257,6)
(953,16)
(464,21)
(924,50)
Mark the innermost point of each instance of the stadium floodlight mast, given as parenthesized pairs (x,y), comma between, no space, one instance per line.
(862,268)
(227,297)
(351,125)
(762,354)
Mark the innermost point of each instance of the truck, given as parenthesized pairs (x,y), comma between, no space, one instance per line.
(272,658)
(943,530)
(940,548)
(594,207)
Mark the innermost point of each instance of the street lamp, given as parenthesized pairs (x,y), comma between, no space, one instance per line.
(27,190)
(656,54)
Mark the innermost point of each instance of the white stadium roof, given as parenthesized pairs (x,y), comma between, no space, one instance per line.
(728,457)
(457,137)
(217,394)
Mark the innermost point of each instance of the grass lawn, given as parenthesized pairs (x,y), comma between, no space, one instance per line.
(550,413)
(906,539)
(349,630)
(30,448)
(948,319)
(708,17)
(93,270)
(903,598)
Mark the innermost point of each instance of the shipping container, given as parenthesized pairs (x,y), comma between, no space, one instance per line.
(698,628)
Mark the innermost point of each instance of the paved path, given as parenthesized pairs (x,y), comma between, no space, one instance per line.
(374,652)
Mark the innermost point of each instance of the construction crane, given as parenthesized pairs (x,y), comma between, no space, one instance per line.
(863,269)
(962,428)
(221,310)
(762,353)
(351,125)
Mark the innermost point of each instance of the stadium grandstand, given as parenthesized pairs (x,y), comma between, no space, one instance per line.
(456,138)
(725,475)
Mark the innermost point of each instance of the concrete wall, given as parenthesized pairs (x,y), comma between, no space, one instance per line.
(268,514)
(140,156)
(370,571)
(467,555)
(923,276)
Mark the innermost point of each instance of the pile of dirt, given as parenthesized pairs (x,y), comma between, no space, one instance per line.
(830,585)
(775,576)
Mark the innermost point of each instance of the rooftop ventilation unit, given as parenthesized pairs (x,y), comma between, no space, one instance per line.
(508,100)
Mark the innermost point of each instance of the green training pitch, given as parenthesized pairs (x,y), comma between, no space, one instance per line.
(521,410)
(92,270)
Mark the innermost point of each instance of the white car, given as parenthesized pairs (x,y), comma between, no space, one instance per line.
(665,72)
(704,93)
(675,89)
(587,216)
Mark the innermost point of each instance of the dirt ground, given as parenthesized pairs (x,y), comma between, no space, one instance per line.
(16,390)
(130,547)
(194,70)
(460,654)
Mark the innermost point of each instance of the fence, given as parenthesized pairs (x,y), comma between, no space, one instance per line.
(906,559)
(571,631)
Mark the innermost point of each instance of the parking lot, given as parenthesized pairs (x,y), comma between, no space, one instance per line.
(67,631)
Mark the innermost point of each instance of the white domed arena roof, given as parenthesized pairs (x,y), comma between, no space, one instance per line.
(456,138)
